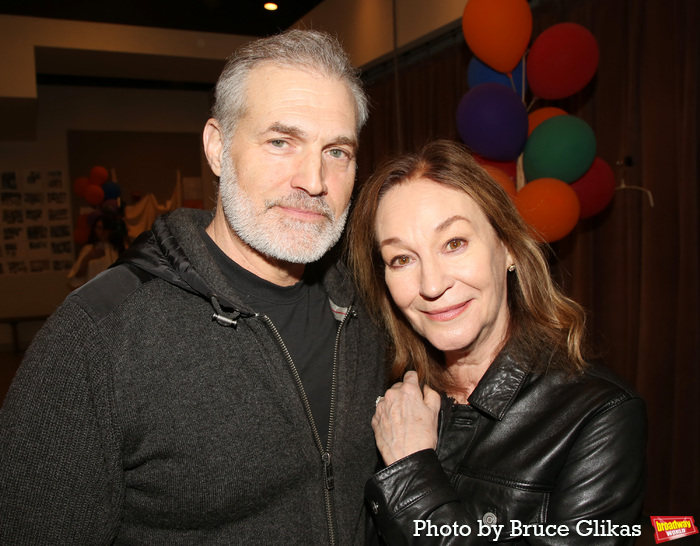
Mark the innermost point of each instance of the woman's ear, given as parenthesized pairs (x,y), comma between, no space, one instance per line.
(510,262)
(213,145)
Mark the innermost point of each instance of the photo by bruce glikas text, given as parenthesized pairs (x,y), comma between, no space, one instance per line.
(585,528)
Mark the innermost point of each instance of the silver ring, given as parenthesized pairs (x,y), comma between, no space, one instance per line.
(376,402)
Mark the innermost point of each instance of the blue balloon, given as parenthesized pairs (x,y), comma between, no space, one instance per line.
(112,190)
(478,73)
(492,121)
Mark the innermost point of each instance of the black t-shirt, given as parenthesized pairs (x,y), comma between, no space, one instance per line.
(303,317)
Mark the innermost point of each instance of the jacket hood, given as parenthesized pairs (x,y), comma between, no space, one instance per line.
(174,251)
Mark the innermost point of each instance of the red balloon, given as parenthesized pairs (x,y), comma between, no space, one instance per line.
(595,189)
(80,185)
(498,31)
(549,207)
(508,167)
(82,222)
(562,60)
(542,114)
(81,234)
(505,181)
(94,194)
(98,175)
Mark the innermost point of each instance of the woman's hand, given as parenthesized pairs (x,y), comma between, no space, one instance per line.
(406,419)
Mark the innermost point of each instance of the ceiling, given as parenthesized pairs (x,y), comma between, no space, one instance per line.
(243,17)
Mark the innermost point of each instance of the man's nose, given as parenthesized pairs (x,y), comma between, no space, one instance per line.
(310,175)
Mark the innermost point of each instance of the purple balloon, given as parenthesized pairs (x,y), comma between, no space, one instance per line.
(492,121)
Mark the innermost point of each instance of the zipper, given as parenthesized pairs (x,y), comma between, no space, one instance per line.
(326,458)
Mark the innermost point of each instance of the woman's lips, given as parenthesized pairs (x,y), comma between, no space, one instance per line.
(447,313)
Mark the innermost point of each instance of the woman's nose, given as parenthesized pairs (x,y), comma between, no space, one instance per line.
(435,281)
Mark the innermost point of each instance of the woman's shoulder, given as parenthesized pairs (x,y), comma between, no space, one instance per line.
(597,387)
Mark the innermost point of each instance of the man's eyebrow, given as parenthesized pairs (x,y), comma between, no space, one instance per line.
(281,128)
(298,132)
(346,141)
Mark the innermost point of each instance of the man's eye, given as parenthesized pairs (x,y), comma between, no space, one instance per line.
(277,143)
(338,153)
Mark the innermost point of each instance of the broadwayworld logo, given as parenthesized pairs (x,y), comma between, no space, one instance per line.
(670,528)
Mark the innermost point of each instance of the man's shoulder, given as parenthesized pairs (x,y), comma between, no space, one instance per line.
(100,296)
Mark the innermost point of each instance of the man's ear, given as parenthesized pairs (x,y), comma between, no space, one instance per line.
(213,145)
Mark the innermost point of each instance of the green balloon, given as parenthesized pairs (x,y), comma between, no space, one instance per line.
(562,147)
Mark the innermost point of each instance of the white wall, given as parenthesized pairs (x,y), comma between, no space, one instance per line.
(91,109)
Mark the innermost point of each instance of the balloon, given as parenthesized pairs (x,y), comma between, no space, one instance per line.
(541,114)
(94,195)
(492,121)
(80,185)
(98,175)
(112,190)
(562,147)
(110,206)
(595,189)
(478,73)
(562,60)
(94,216)
(498,31)
(81,234)
(82,222)
(550,208)
(508,167)
(505,181)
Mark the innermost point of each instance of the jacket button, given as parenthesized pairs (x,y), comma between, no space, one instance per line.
(375,507)
(489,518)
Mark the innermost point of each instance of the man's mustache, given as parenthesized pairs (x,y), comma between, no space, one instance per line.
(303,201)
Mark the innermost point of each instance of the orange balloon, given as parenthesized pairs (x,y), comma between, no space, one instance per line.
(550,208)
(80,185)
(94,194)
(498,31)
(98,175)
(541,114)
(505,181)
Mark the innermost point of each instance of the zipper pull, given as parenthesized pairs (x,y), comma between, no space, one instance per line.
(328,468)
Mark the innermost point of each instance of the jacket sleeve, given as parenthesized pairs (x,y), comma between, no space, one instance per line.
(59,455)
(602,482)
(604,476)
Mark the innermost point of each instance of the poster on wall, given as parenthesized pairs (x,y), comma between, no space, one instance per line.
(37,235)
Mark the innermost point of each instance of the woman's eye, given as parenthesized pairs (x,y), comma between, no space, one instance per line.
(400,261)
(454,244)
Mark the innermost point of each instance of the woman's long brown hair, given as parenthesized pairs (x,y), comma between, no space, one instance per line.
(542,318)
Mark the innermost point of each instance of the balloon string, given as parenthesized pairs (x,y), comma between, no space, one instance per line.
(512,82)
(624,186)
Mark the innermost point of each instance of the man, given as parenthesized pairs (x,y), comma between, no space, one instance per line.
(212,388)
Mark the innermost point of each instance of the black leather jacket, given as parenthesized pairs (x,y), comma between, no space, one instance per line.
(530,448)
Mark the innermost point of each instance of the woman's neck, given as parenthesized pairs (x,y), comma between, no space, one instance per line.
(466,370)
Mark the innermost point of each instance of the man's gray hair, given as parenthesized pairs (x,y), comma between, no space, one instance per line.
(305,49)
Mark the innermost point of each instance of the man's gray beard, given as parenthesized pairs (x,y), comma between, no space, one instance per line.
(274,234)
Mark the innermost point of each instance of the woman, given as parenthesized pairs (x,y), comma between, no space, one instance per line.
(498,427)
(105,244)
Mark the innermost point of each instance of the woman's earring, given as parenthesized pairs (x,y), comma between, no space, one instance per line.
(511,267)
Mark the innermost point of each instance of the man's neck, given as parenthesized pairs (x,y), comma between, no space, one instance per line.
(275,271)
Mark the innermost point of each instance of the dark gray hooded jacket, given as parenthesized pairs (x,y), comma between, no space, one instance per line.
(153,408)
